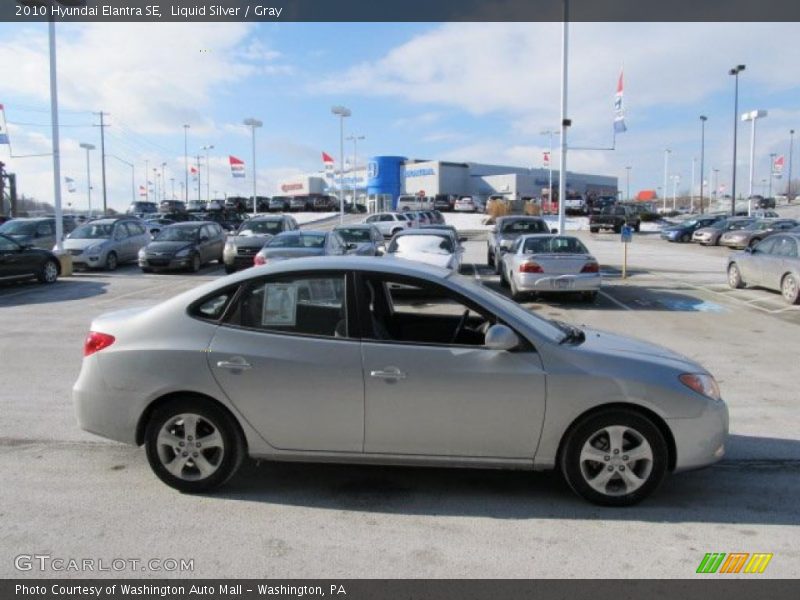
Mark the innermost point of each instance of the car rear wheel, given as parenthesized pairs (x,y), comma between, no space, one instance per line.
(616,457)
(686,238)
(516,295)
(193,445)
(735,276)
(229,269)
(594,229)
(49,272)
(111,261)
(790,289)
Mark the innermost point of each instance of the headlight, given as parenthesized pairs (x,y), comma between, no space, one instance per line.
(506,243)
(182,253)
(703,384)
(142,253)
(94,249)
(230,246)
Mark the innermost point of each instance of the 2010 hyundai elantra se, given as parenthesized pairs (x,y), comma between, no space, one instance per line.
(355,359)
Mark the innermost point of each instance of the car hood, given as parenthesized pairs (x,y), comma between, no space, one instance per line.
(168,247)
(612,344)
(283,253)
(82,243)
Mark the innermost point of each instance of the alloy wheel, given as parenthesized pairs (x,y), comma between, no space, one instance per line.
(789,289)
(190,447)
(616,460)
(50,272)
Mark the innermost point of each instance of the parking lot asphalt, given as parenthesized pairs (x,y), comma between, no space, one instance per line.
(70,494)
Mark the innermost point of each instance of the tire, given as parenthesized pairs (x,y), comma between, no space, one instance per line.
(196,263)
(638,227)
(111,261)
(230,269)
(49,272)
(604,478)
(516,295)
(594,229)
(735,277)
(175,464)
(503,280)
(498,265)
(790,289)
(589,296)
(685,238)
(489,258)
(753,242)
(147,270)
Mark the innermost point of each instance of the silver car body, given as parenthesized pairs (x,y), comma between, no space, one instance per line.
(709,236)
(301,244)
(506,231)
(770,261)
(389,223)
(425,246)
(561,259)
(241,247)
(125,237)
(323,398)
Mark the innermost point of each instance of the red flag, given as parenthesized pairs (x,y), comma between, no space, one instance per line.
(327,158)
(235,161)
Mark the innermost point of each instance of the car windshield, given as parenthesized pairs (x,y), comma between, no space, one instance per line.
(93,231)
(355,235)
(427,244)
(260,227)
(177,234)
(524,226)
(733,225)
(298,240)
(18,228)
(554,245)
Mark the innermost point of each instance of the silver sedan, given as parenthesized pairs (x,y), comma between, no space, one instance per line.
(550,263)
(774,264)
(325,359)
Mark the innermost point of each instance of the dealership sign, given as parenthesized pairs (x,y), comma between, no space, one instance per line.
(293,187)
(420,172)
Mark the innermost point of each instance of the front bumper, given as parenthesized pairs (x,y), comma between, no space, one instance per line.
(91,260)
(168,262)
(701,441)
(542,282)
(703,238)
(670,236)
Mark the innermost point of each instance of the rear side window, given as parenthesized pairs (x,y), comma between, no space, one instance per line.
(213,307)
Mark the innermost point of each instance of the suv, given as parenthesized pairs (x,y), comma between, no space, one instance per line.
(39,232)
(614,217)
(142,207)
(575,204)
(279,204)
(107,243)
(443,202)
(389,223)
(171,206)
(251,237)
(508,229)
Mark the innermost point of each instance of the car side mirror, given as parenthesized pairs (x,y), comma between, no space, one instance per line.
(203,239)
(462,239)
(554,230)
(501,337)
(352,246)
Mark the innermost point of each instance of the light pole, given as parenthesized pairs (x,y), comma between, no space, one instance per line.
(735,72)
(667,152)
(789,183)
(715,183)
(163,181)
(565,122)
(550,133)
(752,116)
(133,176)
(628,183)
(186,162)
(172,181)
(355,139)
(772,156)
(254,124)
(675,179)
(692,188)
(155,183)
(208,175)
(342,112)
(88,147)
(703,120)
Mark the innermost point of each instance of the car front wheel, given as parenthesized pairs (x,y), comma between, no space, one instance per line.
(735,276)
(49,272)
(616,457)
(193,445)
(790,289)
(111,261)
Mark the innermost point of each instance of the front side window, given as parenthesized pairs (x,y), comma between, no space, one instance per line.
(45,228)
(766,246)
(177,234)
(6,245)
(271,227)
(296,304)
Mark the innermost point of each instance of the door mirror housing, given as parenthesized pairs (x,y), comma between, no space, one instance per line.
(203,239)
(554,230)
(501,337)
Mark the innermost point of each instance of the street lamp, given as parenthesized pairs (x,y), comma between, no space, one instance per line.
(341,112)
(667,152)
(88,147)
(675,180)
(703,120)
(735,72)
(771,171)
(628,183)
(752,116)
(254,124)
(355,139)
(789,183)
(208,168)
(186,162)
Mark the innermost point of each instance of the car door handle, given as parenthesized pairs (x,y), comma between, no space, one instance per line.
(388,373)
(239,364)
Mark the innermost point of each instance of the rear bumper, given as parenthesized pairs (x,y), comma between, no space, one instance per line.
(585,282)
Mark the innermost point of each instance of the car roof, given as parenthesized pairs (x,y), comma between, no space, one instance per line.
(267,218)
(355,226)
(423,231)
(302,232)
(519,218)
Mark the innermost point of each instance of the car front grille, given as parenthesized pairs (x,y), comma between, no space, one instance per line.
(158,262)
(247,251)
(76,252)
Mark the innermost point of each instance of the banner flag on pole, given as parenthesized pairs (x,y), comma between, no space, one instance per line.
(70,182)
(777,167)
(3,129)
(328,161)
(237,166)
(619,107)
(546,159)
(142,190)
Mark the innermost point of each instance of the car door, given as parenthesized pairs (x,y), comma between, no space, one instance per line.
(289,359)
(777,262)
(139,238)
(757,263)
(438,398)
(13,262)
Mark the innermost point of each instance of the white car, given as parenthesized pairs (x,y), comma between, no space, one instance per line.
(389,223)
(435,247)
(465,204)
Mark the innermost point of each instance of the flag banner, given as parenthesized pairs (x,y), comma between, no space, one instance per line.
(546,159)
(3,130)
(619,107)
(237,166)
(777,167)
(142,190)
(328,161)
(70,184)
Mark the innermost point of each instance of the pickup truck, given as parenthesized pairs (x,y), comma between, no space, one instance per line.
(614,217)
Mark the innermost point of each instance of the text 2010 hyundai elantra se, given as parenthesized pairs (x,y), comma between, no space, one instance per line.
(357,359)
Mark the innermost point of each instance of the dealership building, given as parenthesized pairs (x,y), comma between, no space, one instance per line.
(380,182)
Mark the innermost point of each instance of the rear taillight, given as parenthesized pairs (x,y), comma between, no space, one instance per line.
(96,341)
(531,267)
(259,260)
(590,267)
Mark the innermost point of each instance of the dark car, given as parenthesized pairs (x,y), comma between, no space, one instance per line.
(296,244)
(251,236)
(141,207)
(614,217)
(279,204)
(598,204)
(196,206)
(39,232)
(444,202)
(22,261)
(229,220)
(368,238)
(183,246)
(246,204)
(323,203)
(171,206)
(683,232)
(508,229)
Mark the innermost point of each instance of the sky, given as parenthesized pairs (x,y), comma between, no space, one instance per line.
(480,92)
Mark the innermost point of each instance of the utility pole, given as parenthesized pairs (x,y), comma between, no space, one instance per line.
(186,162)
(102,127)
(789,183)
(703,120)
(198,177)
(771,171)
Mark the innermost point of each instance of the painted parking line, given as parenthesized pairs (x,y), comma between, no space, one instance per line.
(614,300)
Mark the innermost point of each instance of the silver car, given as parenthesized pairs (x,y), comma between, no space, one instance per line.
(299,244)
(241,247)
(438,247)
(323,359)
(550,263)
(368,239)
(389,223)
(773,263)
(505,233)
(107,243)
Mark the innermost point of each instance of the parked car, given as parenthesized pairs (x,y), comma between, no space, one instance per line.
(242,204)
(760,213)
(368,238)
(683,231)
(324,203)
(575,204)
(183,246)
(389,223)
(614,217)
(275,363)
(438,217)
(107,243)
(709,236)
(300,203)
(172,206)
(156,225)
(542,263)
(444,202)
(451,228)
(195,206)
(757,201)
(279,203)
(406,202)
(506,231)
(298,244)
(755,232)
(251,237)
(22,261)
(773,263)
(229,220)
(600,203)
(38,232)
(466,204)
(141,207)
(434,247)
(215,204)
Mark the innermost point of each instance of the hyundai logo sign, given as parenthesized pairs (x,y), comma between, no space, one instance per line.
(372,169)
